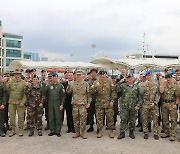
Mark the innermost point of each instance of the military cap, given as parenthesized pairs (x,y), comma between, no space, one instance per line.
(102,72)
(168,75)
(54,74)
(17,71)
(33,70)
(79,72)
(129,75)
(148,72)
(113,76)
(28,70)
(50,74)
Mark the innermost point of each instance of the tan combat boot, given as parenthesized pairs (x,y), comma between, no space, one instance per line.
(21,132)
(100,134)
(111,134)
(76,135)
(83,135)
(12,133)
(40,132)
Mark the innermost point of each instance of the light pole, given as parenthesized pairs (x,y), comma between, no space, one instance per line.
(93,46)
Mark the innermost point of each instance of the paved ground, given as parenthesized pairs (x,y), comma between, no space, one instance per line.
(66,145)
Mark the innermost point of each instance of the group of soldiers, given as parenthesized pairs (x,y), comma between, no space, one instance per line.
(94,97)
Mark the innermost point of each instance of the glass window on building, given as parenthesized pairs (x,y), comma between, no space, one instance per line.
(13,43)
(8,61)
(13,53)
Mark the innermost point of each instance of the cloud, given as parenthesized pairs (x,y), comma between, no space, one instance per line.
(116,27)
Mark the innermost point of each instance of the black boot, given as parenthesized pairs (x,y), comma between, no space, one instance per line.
(69,130)
(149,127)
(91,129)
(121,136)
(131,134)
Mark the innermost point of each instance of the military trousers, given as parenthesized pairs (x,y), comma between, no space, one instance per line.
(109,113)
(91,113)
(167,111)
(79,118)
(146,110)
(12,114)
(55,117)
(2,119)
(128,119)
(35,114)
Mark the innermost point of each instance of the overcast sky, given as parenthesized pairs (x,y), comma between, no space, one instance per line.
(68,28)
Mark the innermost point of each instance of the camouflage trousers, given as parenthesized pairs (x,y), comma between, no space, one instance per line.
(128,119)
(166,111)
(27,117)
(35,115)
(145,113)
(109,113)
(79,118)
(12,114)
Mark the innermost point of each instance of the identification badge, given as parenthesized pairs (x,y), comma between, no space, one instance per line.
(51,87)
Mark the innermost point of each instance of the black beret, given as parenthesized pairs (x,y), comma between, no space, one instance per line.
(168,75)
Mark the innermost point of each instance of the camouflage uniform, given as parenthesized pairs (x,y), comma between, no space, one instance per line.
(149,93)
(34,98)
(168,99)
(2,112)
(16,96)
(28,119)
(80,99)
(129,99)
(104,95)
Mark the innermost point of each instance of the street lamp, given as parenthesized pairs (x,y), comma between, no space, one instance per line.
(93,46)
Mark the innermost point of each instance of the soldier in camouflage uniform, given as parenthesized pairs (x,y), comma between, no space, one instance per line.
(170,94)
(35,105)
(28,80)
(105,95)
(129,105)
(17,100)
(2,109)
(149,98)
(81,101)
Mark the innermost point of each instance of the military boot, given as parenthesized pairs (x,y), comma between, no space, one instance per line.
(21,132)
(146,136)
(40,132)
(131,134)
(111,134)
(83,135)
(172,138)
(91,129)
(31,133)
(100,133)
(121,136)
(76,135)
(12,133)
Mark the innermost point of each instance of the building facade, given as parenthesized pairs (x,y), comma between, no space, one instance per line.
(11,48)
